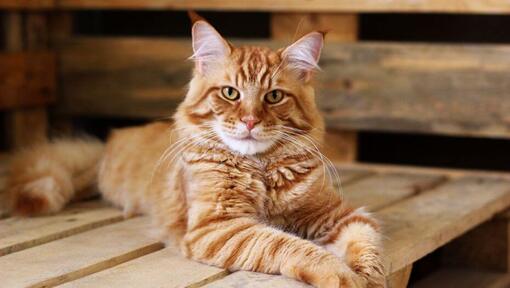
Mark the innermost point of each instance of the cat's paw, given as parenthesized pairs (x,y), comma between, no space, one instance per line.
(333,274)
(366,262)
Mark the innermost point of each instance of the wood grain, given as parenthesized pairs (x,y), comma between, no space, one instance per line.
(164,268)
(73,257)
(27,79)
(366,6)
(379,191)
(465,278)
(27,4)
(442,89)
(17,234)
(421,224)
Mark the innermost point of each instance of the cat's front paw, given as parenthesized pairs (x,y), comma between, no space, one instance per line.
(366,262)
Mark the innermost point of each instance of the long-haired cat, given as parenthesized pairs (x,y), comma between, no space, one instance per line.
(237,180)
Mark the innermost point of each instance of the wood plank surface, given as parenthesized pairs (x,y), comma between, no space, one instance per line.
(416,226)
(419,225)
(21,233)
(164,268)
(465,278)
(27,79)
(443,89)
(27,4)
(382,190)
(73,257)
(426,6)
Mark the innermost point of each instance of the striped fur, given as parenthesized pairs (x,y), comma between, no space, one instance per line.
(273,211)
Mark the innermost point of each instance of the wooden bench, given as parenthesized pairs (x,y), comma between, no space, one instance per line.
(398,87)
(91,245)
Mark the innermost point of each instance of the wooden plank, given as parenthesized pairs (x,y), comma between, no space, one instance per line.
(400,279)
(17,234)
(448,172)
(73,257)
(465,278)
(27,79)
(27,4)
(487,247)
(164,268)
(443,89)
(350,175)
(421,224)
(366,6)
(379,191)
(417,226)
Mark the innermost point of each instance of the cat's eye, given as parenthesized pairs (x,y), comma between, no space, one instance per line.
(230,93)
(274,96)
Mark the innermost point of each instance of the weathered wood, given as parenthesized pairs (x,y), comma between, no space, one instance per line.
(26,126)
(465,278)
(400,278)
(421,224)
(366,6)
(486,247)
(379,191)
(17,234)
(442,89)
(350,175)
(27,79)
(27,4)
(164,268)
(73,257)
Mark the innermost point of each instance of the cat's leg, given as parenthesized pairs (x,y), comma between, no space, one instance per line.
(245,244)
(351,234)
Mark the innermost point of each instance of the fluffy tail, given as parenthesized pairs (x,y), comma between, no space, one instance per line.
(44,178)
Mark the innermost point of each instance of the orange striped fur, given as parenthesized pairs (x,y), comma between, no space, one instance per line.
(236,180)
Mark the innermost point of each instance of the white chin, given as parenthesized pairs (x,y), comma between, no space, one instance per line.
(246,146)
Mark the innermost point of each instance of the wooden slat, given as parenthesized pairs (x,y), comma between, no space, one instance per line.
(350,175)
(444,89)
(417,226)
(420,225)
(165,268)
(27,4)
(79,255)
(26,79)
(426,6)
(21,233)
(465,278)
(379,191)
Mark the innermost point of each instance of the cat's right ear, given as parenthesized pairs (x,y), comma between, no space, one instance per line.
(208,46)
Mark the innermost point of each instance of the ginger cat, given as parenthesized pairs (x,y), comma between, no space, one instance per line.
(237,181)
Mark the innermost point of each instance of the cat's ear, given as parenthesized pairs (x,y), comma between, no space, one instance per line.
(208,45)
(303,55)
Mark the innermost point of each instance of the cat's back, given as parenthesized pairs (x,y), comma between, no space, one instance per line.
(130,158)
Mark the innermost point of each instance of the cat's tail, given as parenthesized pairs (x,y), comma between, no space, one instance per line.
(44,178)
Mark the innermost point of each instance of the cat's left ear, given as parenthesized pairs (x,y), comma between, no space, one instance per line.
(208,46)
(303,55)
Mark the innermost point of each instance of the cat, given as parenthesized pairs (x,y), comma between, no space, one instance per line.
(236,179)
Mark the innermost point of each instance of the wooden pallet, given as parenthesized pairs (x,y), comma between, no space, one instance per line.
(91,245)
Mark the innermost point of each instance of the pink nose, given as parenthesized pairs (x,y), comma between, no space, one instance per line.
(250,121)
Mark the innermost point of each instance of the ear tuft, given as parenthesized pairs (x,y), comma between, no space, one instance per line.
(304,54)
(208,45)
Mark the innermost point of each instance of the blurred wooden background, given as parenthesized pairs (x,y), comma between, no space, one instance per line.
(414,82)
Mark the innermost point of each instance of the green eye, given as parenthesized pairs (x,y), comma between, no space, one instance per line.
(230,93)
(274,96)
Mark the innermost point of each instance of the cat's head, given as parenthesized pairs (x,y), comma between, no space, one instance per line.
(253,98)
